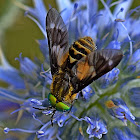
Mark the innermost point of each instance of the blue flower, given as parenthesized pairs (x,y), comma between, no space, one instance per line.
(87,93)
(48,133)
(27,66)
(130,69)
(9,74)
(12,77)
(62,119)
(96,127)
(39,12)
(114,45)
(119,109)
(135,60)
(109,79)
(66,8)
(45,51)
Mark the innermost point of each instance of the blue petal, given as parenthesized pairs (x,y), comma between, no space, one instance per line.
(92,6)
(118,134)
(7,105)
(138,67)
(9,74)
(27,66)
(118,102)
(62,119)
(125,5)
(130,69)
(10,95)
(87,93)
(39,12)
(109,78)
(67,6)
(87,30)
(135,30)
(64,4)
(122,112)
(114,45)
(123,32)
(135,57)
(103,21)
(96,127)
(12,77)
(43,44)
(123,135)
(130,134)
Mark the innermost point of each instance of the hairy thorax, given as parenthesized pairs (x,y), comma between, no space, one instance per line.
(61,87)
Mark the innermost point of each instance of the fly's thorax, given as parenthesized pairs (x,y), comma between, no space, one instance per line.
(61,96)
(79,49)
(61,86)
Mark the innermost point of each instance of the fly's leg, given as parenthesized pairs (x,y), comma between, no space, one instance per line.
(43,109)
(53,113)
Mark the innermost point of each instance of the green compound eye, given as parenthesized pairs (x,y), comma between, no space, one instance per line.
(62,107)
(52,99)
(59,106)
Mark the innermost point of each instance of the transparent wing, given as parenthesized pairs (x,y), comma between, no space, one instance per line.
(93,66)
(57,39)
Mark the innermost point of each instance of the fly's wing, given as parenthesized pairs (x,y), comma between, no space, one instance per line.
(57,39)
(93,66)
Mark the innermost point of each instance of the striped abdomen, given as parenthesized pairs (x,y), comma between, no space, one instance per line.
(79,49)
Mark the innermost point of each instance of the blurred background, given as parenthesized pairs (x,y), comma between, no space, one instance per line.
(17,32)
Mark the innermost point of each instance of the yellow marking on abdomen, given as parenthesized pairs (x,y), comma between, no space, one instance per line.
(72,59)
(88,42)
(82,47)
(77,52)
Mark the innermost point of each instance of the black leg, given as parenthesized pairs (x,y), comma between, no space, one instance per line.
(52,117)
(40,108)
(47,108)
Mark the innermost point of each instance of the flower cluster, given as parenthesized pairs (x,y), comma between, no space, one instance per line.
(102,106)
